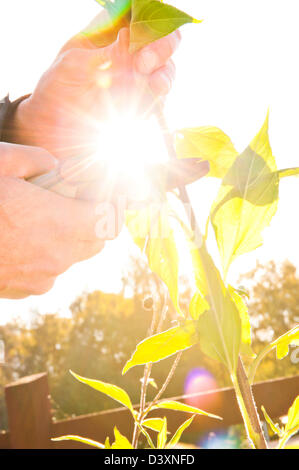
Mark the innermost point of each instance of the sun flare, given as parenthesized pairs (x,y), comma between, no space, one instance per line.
(129,146)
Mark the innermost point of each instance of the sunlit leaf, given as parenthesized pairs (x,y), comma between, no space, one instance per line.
(282,343)
(151,231)
(245,322)
(275,428)
(121,442)
(117,393)
(288,172)
(198,305)
(162,345)
(178,406)
(177,436)
(148,437)
(247,200)
(150,381)
(162,436)
(282,348)
(151,20)
(103,30)
(293,416)
(210,144)
(155,424)
(84,440)
(219,327)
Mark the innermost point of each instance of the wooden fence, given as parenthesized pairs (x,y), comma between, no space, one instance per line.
(31,425)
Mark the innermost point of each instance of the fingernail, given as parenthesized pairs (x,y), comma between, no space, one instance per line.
(147,61)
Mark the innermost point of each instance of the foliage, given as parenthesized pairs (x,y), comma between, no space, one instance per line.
(290,428)
(217,320)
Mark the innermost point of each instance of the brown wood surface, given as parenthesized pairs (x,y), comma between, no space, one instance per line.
(31,427)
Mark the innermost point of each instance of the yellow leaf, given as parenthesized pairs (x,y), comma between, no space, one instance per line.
(162,436)
(293,416)
(275,428)
(152,20)
(282,343)
(198,305)
(245,321)
(219,327)
(209,144)
(121,442)
(162,345)
(177,436)
(178,406)
(247,200)
(117,393)
(156,424)
(151,231)
(84,440)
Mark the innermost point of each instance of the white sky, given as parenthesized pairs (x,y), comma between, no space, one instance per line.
(242,59)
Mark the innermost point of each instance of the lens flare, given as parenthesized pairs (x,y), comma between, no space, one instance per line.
(197,382)
(129,146)
(220,440)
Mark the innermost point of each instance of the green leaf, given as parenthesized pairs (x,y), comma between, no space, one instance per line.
(117,393)
(282,348)
(156,424)
(282,343)
(288,172)
(162,345)
(198,305)
(219,328)
(177,436)
(84,440)
(178,406)
(150,381)
(275,428)
(293,416)
(247,200)
(245,322)
(210,144)
(151,231)
(148,437)
(162,436)
(121,442)
(152,20)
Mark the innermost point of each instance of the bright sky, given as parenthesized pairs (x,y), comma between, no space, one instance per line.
(242,59)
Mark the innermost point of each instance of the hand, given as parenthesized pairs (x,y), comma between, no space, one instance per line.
(42,234)
(86,86)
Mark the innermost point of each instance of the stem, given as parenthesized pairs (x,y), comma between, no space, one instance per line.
(240,381)
(147,371)
(165,385)
(248,408)
(253,367)
(146,375)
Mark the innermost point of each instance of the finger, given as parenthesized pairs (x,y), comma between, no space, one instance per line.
(20,161)
(96,27)
(183,172)
(160,81)
(155,55)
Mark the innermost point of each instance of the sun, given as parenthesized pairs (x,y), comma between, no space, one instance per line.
(129,147)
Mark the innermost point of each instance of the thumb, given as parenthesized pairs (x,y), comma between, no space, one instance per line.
(20,161)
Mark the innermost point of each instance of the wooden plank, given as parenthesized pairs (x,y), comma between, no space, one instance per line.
(29,415)
(276,395)
(4,440)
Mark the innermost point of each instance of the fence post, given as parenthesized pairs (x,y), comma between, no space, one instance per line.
(29,412)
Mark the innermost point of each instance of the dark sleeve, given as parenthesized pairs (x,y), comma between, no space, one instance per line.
(7,110)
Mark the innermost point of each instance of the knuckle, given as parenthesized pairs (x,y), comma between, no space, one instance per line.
(42,287)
